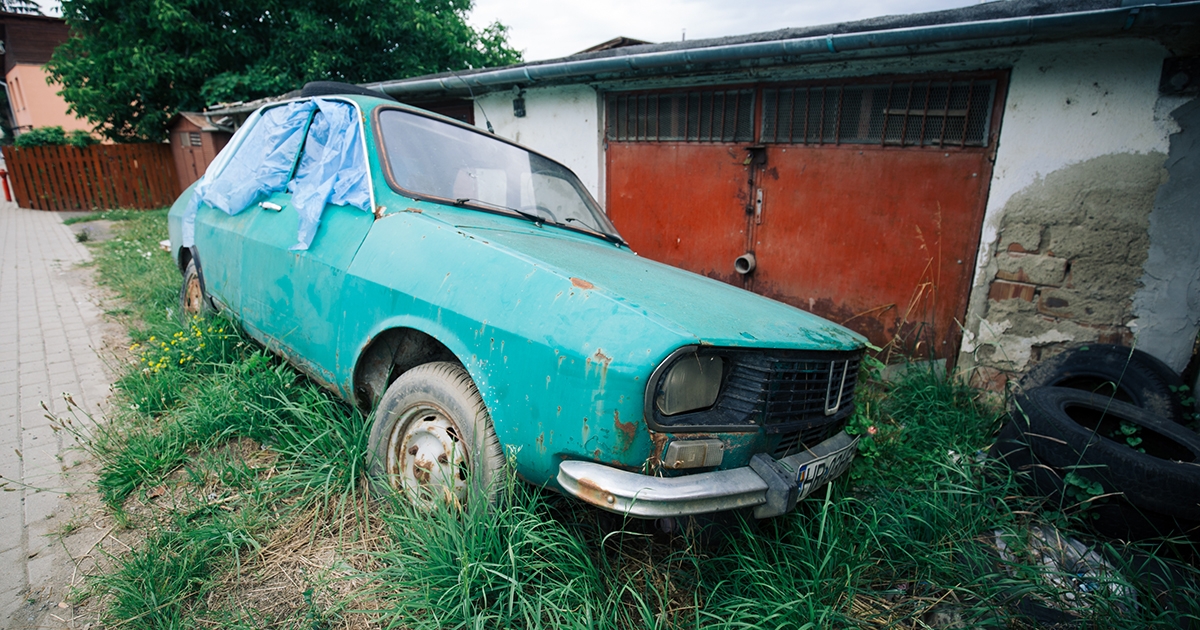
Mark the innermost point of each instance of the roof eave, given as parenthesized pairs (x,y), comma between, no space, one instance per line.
(1139,21)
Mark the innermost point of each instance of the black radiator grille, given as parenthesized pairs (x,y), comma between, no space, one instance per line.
(792,442)
(779,391)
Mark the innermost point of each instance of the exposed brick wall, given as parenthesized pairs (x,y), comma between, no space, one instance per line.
(1065,267)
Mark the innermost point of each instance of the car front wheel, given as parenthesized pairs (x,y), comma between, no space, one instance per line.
(432,440)
(193,301)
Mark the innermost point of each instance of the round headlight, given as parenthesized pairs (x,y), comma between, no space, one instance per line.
(692,383)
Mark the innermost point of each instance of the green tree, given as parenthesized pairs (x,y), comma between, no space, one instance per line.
(132,64)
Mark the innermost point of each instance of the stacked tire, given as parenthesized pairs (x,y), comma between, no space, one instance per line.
(1100,428)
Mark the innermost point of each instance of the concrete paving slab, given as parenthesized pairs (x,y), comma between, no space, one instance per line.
(52,346)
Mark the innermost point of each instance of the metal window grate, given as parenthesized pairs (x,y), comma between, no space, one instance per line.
(913,113)
(193,139)
(705,116)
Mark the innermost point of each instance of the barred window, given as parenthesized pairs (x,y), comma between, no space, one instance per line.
(701,116)
(927,113)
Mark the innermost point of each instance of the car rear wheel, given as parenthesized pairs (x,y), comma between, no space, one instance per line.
(193,300)
(432,440)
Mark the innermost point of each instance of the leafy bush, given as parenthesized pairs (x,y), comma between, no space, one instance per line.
(48,136)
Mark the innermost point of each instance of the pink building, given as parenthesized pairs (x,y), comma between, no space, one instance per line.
(27,42)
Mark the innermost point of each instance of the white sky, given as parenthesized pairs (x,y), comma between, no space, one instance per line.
(545,29)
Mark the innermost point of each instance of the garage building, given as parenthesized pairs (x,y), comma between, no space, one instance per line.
(980,186)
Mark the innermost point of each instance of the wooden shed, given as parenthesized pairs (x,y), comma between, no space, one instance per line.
(195,143)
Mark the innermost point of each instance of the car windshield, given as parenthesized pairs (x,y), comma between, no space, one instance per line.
(434,158)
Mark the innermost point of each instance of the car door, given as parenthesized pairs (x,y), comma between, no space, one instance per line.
(292,296)
(219,238)
(260,158)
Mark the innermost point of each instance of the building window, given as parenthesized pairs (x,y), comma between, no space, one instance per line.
(697,116)
(909,113)
(193,138)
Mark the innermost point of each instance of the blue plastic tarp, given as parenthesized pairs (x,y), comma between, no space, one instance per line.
(333,170)
(263,153)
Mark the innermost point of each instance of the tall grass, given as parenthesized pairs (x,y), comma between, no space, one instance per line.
(908,539)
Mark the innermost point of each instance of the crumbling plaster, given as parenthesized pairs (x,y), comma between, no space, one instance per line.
(1167,306)
(1079,161)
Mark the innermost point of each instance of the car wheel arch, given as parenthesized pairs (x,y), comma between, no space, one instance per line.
(185,256)
(389,354)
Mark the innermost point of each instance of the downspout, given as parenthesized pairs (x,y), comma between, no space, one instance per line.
(1090,23)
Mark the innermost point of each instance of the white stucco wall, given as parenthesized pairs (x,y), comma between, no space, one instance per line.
(1070,103)
(562,123)
(1067,104)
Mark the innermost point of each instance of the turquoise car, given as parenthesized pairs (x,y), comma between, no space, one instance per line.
(474,295)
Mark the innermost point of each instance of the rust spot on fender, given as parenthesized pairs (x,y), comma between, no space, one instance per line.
(627,431)
(596,454)
(416,210)
(541,442)
(602,361)
(654,461)
(582,284)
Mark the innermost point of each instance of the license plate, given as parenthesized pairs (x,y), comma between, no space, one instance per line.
(814,474)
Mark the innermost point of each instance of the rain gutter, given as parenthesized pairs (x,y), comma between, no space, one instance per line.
(1106,22)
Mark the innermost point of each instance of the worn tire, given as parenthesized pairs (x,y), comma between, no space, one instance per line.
(1068,429)
(194,300)
(1115,518)
(432,439)
(1126,374)
(1036,478)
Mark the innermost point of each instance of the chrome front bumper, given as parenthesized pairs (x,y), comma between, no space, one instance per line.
(772,487)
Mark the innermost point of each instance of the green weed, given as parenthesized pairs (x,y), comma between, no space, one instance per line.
(109,215)
(221,452)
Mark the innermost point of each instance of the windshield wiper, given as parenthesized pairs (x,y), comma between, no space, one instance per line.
(538,221)
(612,238)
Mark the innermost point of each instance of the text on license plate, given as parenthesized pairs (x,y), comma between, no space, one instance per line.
(814,474)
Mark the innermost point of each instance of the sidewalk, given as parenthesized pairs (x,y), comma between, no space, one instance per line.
(50,333)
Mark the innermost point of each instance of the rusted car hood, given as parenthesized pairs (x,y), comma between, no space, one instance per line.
(710,311)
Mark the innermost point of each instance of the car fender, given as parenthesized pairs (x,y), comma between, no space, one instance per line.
(572,406)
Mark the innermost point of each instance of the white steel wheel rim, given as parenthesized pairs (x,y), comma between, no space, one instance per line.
(426,459)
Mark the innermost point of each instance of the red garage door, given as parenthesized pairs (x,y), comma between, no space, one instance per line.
(860,201)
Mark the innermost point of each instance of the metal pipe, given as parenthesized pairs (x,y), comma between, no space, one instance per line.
(1084,23)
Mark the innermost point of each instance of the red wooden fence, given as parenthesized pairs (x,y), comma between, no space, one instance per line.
(100,177)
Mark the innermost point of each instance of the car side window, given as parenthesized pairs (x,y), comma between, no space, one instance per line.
(332,170)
